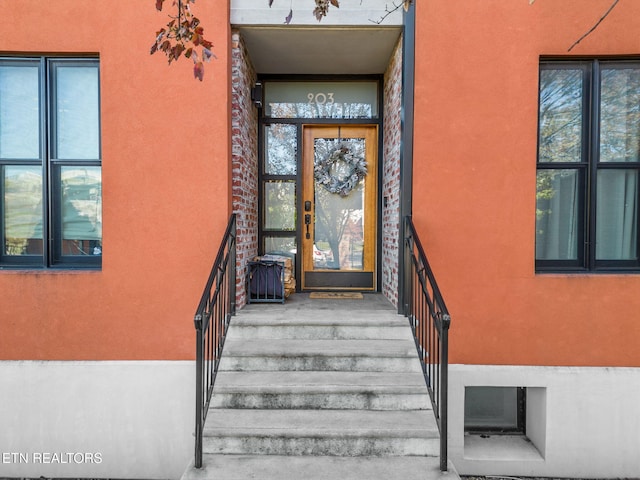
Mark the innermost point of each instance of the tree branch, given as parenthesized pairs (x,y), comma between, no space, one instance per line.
(389,11)
(615,2)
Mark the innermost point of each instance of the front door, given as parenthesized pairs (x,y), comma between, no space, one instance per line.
(339,193)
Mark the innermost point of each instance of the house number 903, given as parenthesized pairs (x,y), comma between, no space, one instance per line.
(321,98)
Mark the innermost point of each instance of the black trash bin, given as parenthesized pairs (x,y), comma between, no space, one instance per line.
(265,281)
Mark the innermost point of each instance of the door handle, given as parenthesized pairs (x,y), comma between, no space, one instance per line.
(307,222)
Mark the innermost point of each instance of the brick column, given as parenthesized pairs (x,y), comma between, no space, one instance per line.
(391,175)
(244,141)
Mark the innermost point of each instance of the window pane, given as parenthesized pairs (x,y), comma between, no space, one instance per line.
(560,116)
(280,205)
(22,210)
(620,115)
(321,99)
(77,113)
(19,112)
(339,228)
(280,151)
(557,215)
(81,210)
(617,215)
(280,245)
(491,408)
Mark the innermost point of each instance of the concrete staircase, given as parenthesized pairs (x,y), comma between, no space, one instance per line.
(320,389)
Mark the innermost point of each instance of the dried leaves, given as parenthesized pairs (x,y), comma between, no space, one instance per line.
(183,35)
(321,10)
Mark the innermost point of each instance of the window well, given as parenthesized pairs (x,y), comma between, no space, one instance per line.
(505,423)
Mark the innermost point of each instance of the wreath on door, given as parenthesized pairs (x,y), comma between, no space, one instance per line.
(355,165)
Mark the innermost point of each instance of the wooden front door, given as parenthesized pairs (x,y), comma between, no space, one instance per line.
(339,193)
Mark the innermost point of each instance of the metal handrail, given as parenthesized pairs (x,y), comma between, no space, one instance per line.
(430,322)
(211,320)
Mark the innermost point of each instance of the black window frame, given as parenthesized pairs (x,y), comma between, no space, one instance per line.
(587,170)
(52,256)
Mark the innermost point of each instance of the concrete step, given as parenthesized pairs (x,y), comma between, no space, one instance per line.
(343,330)
(320,325)
(321,432)
(328,389)
(320,355)
(317,390)
(276,467)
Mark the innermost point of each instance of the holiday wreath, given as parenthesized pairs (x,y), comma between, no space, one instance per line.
(356,169)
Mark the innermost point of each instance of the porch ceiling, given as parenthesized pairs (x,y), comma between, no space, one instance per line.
(315,50)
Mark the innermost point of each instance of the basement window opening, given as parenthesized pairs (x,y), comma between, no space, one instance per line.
(505,423)
(495,411)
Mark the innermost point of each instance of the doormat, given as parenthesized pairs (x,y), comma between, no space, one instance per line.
(335,295)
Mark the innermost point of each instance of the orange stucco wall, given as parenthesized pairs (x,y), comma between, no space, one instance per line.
(165,154)
(474,178)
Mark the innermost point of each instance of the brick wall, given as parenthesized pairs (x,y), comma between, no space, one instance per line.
(244,134)
(245,166)
(391,175)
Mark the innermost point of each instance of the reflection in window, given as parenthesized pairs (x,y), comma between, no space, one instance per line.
(620,111)
(321,99)
(22,210)
(281,149)
(280,245)
(81,210)
(560,116)
(339,220)
(557,215)
(280,205)
(334,110)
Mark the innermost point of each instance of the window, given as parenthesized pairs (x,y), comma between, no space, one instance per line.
(50,163)
(588,164)
(494,410)
(278,188)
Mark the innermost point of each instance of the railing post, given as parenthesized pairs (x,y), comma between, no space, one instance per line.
(232,266)
(407,270)
(199,390)
(444,392)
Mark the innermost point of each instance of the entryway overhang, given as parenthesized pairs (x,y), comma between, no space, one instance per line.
(348,41)
(315,51)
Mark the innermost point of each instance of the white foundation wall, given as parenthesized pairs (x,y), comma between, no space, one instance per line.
(581,422)
(96,419)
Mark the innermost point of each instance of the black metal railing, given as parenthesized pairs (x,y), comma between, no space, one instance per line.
(430,321)
(217,305)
